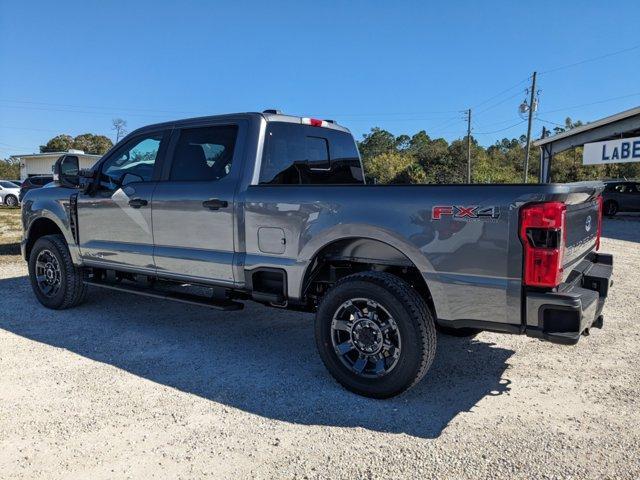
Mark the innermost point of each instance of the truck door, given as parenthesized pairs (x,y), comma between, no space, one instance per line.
(114,218)
(626,197)
(193,207)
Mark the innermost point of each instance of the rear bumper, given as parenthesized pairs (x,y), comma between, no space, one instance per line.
(566,314)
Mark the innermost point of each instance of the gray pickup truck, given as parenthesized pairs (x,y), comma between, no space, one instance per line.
(274,208)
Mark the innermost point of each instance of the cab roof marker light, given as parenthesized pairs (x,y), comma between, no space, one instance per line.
(314,122)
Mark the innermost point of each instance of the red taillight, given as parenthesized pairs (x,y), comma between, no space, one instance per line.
(543,234)
(599,232)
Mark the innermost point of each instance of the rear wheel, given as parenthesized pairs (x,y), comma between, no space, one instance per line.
(55,280)
(610,208)
(11,200)
(375,334)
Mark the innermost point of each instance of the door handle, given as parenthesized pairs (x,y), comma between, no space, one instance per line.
(137,202)
(215,204)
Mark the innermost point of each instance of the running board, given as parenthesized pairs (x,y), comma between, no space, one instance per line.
(191,299)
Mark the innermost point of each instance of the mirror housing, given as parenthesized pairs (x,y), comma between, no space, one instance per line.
(66,171)
(86,176)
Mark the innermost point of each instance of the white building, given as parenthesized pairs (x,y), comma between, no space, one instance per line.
(42,163)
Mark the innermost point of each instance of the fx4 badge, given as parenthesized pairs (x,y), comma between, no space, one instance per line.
(457,211)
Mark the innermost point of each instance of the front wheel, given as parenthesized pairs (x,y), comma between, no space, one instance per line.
(11,200)
(55,280)
(375,334)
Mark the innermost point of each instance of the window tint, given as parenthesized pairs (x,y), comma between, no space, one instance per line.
(133,162)
(317,150)
(299,154)
(41,180)
(204,154)
(8,185)
(625,188)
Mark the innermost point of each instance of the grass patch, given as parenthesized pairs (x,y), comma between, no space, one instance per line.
(10,234)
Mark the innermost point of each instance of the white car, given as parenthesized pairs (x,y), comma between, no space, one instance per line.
(9,193)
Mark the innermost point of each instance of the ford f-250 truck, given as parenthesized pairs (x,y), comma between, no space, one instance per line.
(274,208)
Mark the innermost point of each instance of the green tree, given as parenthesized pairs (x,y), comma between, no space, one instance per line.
(376,143)
(386,167)
(94,144)
(60,143)
(421,159)
(9,169)
(413,174)
(87,142)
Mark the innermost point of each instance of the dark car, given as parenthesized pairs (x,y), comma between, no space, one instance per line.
(30,183)
(621,196)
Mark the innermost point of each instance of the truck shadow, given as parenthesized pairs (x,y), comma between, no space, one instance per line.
(259,360)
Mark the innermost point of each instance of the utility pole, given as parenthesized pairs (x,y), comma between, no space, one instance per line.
(542,177)
(532,108)
(469,146)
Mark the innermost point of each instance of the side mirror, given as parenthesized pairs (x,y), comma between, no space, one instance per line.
(86,177)
(65,171)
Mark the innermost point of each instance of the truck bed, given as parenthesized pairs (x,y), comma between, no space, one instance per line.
(472,255)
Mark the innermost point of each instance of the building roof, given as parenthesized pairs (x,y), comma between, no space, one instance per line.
(27,155)
(589,126)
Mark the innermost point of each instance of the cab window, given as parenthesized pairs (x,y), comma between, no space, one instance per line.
(133,162)
(204,154)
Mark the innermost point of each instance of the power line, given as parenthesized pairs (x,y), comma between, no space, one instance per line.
(48,130)
(501,93)
(82,111)
(592,103)
(501,122)
(65,108)
(502,129)
(10,147)
(593,59)
(550,122)
(94,107)
(446,124)
(500,102)
(385,113)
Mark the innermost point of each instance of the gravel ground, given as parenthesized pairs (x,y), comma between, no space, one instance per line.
(129,387)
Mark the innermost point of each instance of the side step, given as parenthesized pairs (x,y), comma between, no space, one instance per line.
(226,305)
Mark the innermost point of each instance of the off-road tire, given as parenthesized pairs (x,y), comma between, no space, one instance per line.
(414,321)
(72,290)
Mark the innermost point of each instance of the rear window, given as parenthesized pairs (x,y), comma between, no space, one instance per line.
(8,185)
(301,155)
(40,180)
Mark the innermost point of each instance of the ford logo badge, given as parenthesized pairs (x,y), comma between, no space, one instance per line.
(587,223)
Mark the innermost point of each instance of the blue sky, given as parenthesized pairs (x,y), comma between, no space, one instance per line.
(72,66)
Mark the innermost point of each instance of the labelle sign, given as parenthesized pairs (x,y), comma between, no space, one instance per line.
(622,150)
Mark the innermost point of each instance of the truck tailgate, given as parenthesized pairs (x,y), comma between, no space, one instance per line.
(582,230)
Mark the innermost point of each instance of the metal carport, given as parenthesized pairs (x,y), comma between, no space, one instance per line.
(621,125)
